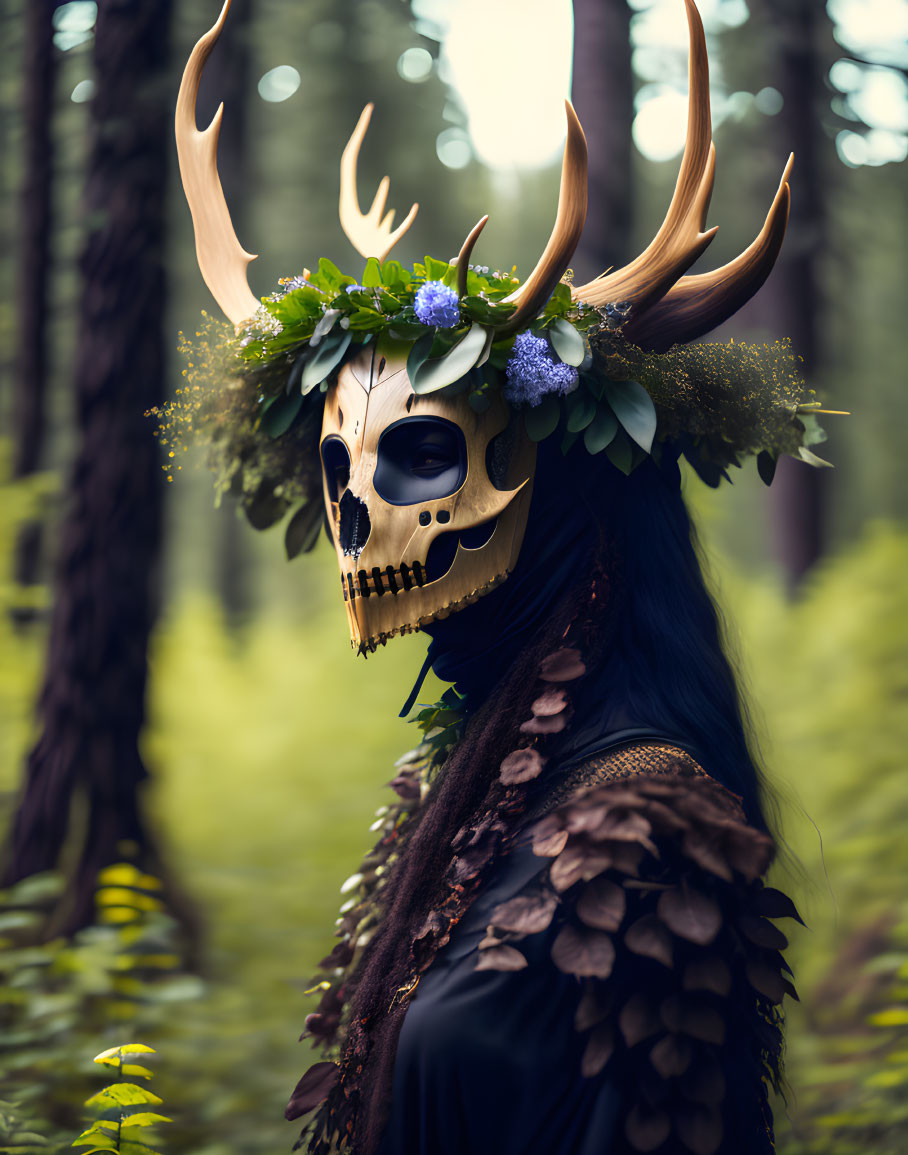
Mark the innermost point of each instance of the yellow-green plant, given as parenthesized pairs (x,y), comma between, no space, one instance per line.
(123,1115)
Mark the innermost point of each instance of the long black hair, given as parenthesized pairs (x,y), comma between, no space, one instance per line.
(667,662)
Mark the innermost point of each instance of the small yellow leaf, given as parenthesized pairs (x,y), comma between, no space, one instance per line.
(112,1056)
(123,1095)
(119,874)
(135,1071)
(144,1119)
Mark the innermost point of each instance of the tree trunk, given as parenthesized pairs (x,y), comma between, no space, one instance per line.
(602,91)
(92,704)
(226,79)
(798,490)
(30,380)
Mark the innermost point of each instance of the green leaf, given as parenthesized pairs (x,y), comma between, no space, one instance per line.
(388,302)
(766,466)
(634,408)
(601,431)
(98,1131)
(438,372)
(814,433)
(372,273)
(568,442)
(327,358)
(144,1119)
(329,275)
(324,326)
(419,353)
(435,270)
(280,415)
(123,1095)
(393,273)
(135,1071)
(303,304)
(542,420)
(303,528)
(365,320)
(135,1146)
(485,311)
(812,459)
(566,342)
(112,1057)
(264,508)
(17,919)
(559,302)
(406,330)
(97,1141)
(581,409)
(620,452)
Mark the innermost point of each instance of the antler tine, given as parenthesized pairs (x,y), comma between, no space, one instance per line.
(368,233)
(532,295)
(463,257)
(680,239)
(222,259)
(699,303)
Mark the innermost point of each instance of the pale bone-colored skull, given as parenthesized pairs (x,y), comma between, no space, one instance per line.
(427,500)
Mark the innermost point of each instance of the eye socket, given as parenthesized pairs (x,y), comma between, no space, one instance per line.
(420,459)
(336,465)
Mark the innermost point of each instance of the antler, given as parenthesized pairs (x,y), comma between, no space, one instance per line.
(222,259)
(369,234)
(680,240)
(699,303)
(463,257)
(532,295)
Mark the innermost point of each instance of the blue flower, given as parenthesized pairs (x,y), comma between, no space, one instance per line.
(532,372)
(355,289)
(437,305)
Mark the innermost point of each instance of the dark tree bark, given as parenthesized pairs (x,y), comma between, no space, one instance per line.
(602,92)
(795,29)
(91,708)
(226,79)
(30,379)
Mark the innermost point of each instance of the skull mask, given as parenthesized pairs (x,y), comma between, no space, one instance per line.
(427,500)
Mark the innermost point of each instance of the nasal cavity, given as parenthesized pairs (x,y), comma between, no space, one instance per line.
(355,526)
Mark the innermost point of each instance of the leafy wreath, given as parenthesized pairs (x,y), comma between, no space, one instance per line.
(569,372)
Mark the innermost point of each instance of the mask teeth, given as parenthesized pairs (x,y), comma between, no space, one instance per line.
(380,581)
(370,645)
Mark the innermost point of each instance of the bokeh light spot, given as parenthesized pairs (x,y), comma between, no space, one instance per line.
(279,84)
(769,101)
(660,125)
(453,148)
(415,65)
(73,23)
(510,63)
(83,92)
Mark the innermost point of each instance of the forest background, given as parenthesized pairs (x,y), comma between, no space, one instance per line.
(175,847)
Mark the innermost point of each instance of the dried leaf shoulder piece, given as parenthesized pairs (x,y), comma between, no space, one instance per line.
(654,900)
